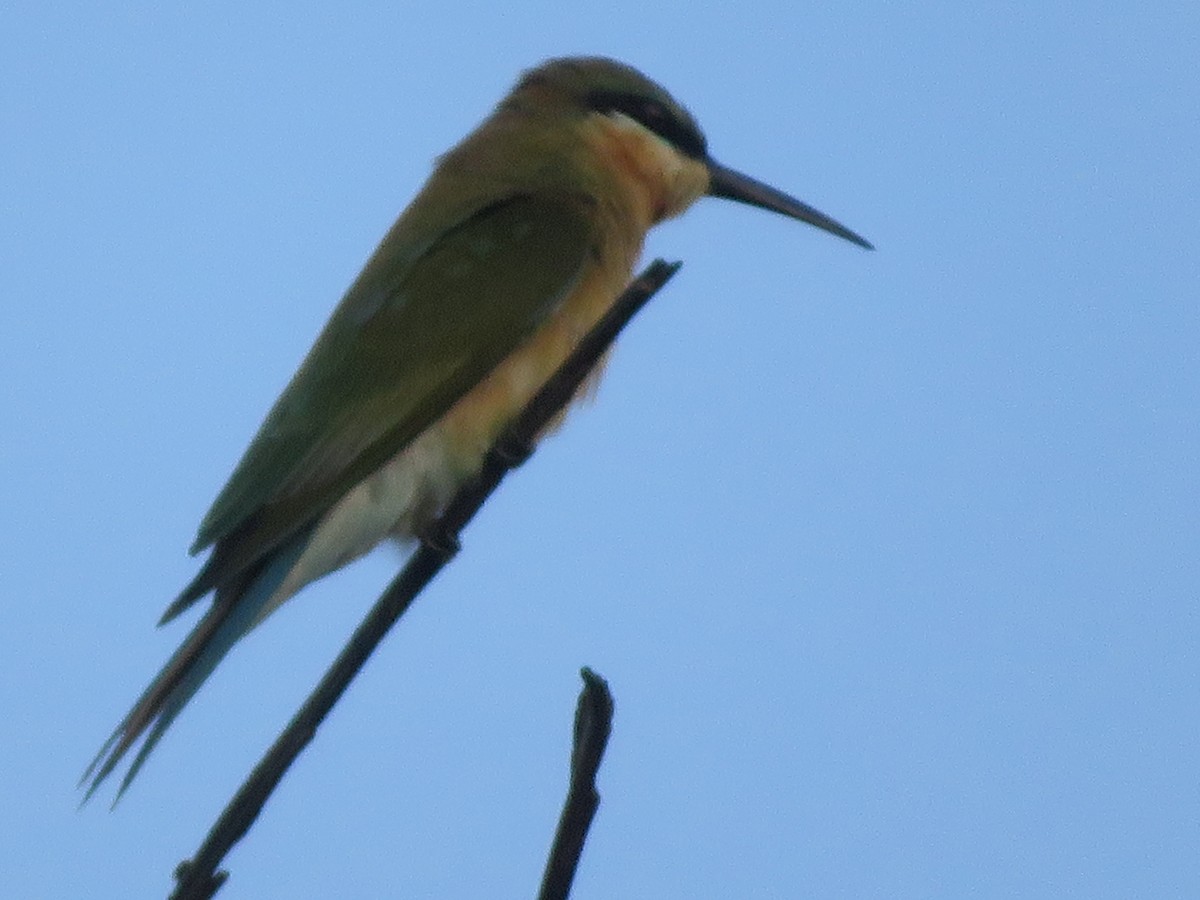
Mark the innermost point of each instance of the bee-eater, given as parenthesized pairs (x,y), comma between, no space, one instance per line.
(523,236)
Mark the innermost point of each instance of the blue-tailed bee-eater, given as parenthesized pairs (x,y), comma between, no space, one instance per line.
(523,236)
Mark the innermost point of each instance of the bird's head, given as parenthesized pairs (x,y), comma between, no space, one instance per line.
(652,137)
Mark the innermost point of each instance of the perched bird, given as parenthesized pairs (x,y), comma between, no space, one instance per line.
(521,239)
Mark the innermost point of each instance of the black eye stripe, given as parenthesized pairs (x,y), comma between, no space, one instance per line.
(654,116)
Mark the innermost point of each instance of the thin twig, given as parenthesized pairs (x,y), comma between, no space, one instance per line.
(198,878)
(593,724)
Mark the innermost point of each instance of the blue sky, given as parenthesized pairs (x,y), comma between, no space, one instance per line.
(890,559)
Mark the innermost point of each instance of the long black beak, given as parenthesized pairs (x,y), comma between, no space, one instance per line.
(733,185)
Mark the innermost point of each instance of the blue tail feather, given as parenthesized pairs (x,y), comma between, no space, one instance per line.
(188,668)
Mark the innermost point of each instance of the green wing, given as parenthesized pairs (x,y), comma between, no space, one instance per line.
(418,329)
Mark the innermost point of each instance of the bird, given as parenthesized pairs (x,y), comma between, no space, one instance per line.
(522,237)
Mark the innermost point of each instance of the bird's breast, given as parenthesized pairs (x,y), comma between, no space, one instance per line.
(476,420)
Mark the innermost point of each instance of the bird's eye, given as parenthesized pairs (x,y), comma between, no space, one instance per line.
(653,112)
(655,117)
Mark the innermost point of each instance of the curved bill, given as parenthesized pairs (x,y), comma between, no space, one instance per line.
(733,185)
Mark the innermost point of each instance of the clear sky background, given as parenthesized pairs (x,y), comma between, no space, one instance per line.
(890,559)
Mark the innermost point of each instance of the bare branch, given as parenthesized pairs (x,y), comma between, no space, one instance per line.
(593,724)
